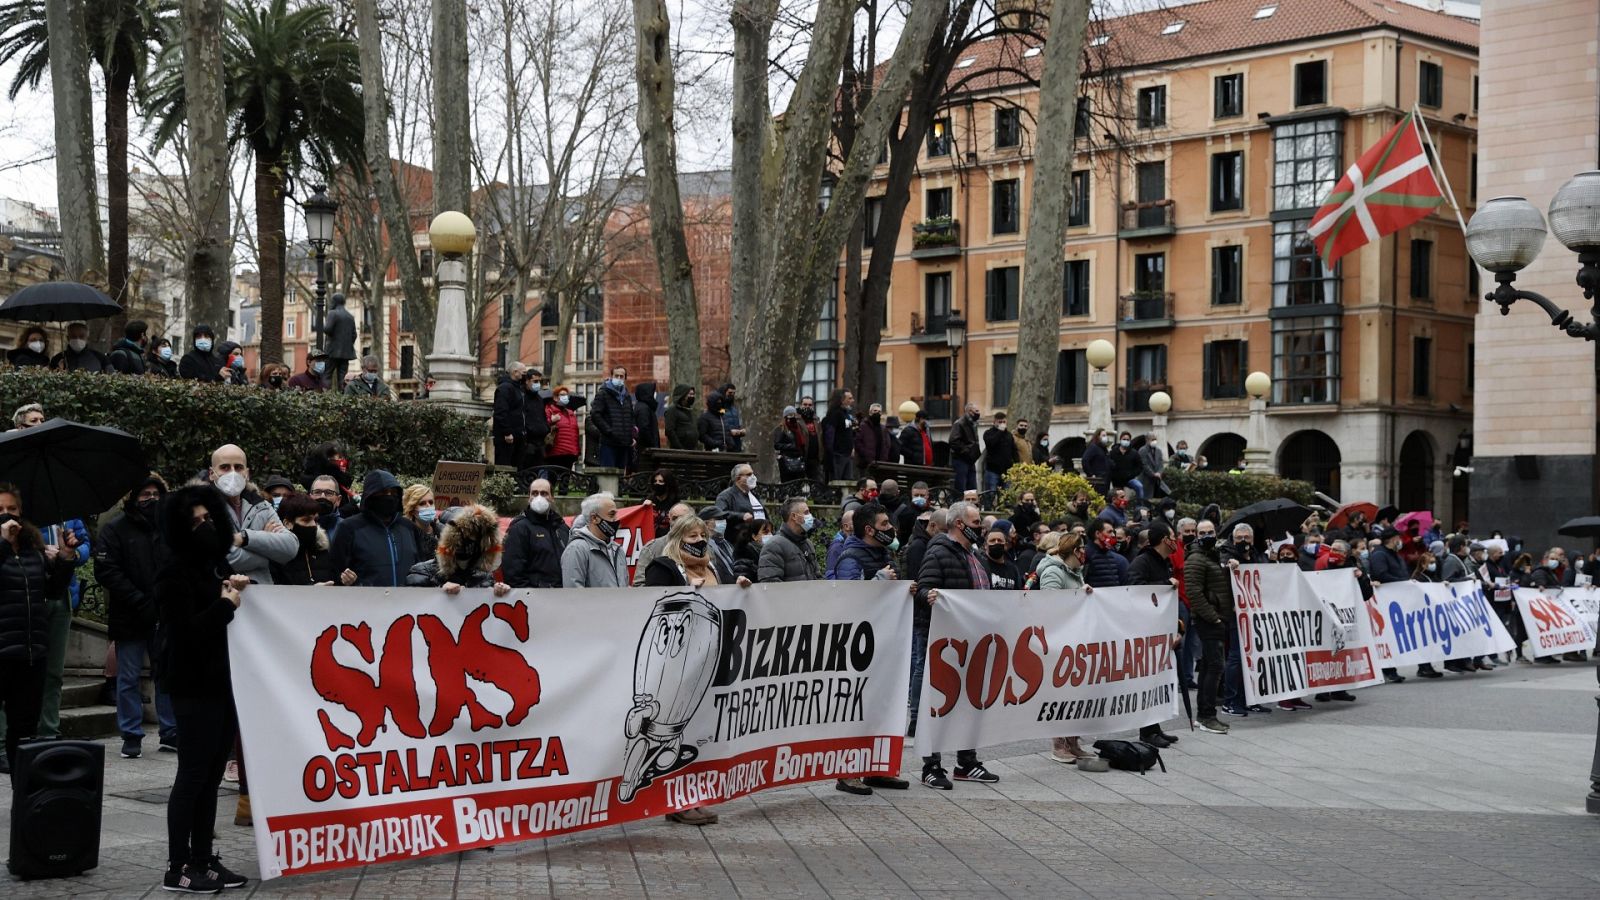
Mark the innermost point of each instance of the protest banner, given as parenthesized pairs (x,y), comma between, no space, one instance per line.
(1430,623)
(1038,664)
(1301,632)
(1586,601)
(384,724)
(1553,623)
(456,483)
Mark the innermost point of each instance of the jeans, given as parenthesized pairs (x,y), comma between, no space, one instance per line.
(966,478)
(919,660)
(1189,649)
(1137,487)
(1233,673)
(208,725)
(615,457)
(21,686)
(1212,655)
(130,700)
(991,480)
(58,623)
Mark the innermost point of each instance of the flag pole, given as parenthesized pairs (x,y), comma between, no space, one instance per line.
(1438,171)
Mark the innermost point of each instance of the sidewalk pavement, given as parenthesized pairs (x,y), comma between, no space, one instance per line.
(1463,788)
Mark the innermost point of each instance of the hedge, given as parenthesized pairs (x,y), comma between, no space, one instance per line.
(181,422)
(1053,490)
(1234,491)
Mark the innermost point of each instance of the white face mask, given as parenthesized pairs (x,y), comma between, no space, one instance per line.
(750,482)
(561,399)
(77,344)
(36,346)
(540,505)
(231,483)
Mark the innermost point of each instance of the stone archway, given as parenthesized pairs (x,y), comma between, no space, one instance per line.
(1312,456)
(1222,451)
(1414,490)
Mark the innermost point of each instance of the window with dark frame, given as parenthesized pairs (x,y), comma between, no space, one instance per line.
(1005,208)
(1422,367)
(1227,96)
(1149,274)
(1227,181)
(1002,372)
(1227,275)
(1305,162)
(1072,378)
(1305,359)
(1147,366)
(939,138)
(1078,211)
(1082,117)
(1430,84)
(425,262)
(1299,277)
(936,301)
(935,387)
(1152,106)
(1000,294)
(1008,127)
(871,218)
(1472,359)
(939,202)
(1421,270)
(1075,288)
(1225,364)
(408,361)
(1311,83)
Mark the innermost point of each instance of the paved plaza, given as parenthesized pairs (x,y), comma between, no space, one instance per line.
(1463,788)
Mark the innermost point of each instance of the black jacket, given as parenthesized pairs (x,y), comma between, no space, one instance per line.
(23,358)
(1104,568)
(509,399)
(679,419)
(713,431)
(194,616)
(341,337)
(1096,464)
(944,566)
(127,560)
(1150,567)
(1384,566)
(1003,575)
(426,574)
(311,564)
(197,366)
(910,443)
(161,368)
(1208,585)
(127,357)
(663,572)
(612,415)
(380,554)
(838,429)
(26,578)
(647,431)
(964,440)
(1000,451)
(90,360)
(1125,465)
(533,549)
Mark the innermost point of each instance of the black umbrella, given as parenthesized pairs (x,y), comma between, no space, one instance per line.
(1271,519)
(58,301)
(1183,690)
(66,470)
(1583,526)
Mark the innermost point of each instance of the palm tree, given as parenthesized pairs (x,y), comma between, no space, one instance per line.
(121,36)
(293,92)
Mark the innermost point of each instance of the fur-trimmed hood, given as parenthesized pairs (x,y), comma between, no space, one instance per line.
(177,519)
(470,532)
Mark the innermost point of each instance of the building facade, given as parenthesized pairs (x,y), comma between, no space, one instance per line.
(1206,137)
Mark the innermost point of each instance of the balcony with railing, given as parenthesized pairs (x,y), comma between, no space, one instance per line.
(928,329)
(1147,220)
(1135,400)
(1142,310)
(937,407)
(935,238)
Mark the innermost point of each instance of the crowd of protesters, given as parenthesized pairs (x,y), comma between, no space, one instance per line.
(178,561)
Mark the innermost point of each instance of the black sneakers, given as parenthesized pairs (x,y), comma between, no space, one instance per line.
(937,779)
(188,880)
(976,772)
(132,746)
(169,743)
(220,873)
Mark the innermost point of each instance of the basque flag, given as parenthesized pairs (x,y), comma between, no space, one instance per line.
(1388,188)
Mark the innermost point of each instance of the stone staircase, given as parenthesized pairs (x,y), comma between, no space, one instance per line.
(83,716)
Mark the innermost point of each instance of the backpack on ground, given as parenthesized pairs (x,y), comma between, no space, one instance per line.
(1130,756)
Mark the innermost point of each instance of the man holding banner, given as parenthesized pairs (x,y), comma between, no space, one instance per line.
(1153,567)
(1211,613)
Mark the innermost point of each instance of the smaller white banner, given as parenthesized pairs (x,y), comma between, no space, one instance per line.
(1430,623)
(1302,632)
(1586,600)
(1553,622)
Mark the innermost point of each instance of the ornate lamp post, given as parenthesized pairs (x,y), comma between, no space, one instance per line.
(955,335)
(1100,355)
(451,365)
(1504,236)
(1257,459)
(320,211)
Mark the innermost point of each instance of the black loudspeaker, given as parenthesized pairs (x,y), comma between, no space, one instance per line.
(1527,467)
(55,808)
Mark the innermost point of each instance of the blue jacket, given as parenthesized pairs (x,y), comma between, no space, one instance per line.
(1105,568)
(1113,515)
(857,561)
(75,588)
(1384,566)
(1096,464)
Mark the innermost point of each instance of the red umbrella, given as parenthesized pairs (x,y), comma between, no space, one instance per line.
(1422,517)
(1341,516)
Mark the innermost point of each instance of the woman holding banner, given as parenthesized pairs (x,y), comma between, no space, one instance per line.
(1061,569)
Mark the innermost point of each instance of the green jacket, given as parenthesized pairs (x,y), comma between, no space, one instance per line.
(1208,585)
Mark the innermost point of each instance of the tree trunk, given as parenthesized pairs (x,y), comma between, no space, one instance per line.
(270,240)
(380,172)
(117,85)
(1039,323)
(207,273)
(658,137)
(76,184)
(752,135)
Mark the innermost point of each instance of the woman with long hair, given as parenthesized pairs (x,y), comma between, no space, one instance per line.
(663,496)
(32,349)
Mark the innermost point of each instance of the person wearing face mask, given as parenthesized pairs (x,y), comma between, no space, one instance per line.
(712,426)
(1103,565)
(368,383)
(999,453)
(1384,566)
(1003,574)
(1210,590)
(593,558)
(275,376)
(277,488)
(717,525)
(915,443)
(233,364)
(31,351)
(664,494)
(1153,566)
(535,541)
(312,563)
(377,547)
(873,443)
(1151,463)
(30,570)
(198,592)
(965,449)
(127,356)
(613,417)
(467,555)
(535,424)
(1126,467)
(201,363)
(733,417)
(646,418)
(1025,514)
(563,446)
(416,504)
(1096,461)
(793,445)
(326,493)
(259,538)
(508,424)
(1116,512)
(161,361)
(915,506)
(315,377)
(79,357)
(789,556)
(330,459)
(739,497)
(127,559)
(340,340)
(745,540)
(679,419)
(1181,460)
(1020,435)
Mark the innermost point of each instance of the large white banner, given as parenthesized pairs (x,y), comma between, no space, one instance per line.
(1553,621)
(1302,632)
(385,724)
(1007,666)
(1430,623)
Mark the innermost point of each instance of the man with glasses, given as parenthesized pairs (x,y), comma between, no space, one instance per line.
(325,493)
(535,541)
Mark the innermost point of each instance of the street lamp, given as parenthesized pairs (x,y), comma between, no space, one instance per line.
(319,211)
(1100,354)
(955,334)
(451,365)
(1504,236)
(1256,456)
(1160,404)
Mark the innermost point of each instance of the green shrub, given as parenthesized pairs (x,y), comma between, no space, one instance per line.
(1054,490)
(1234,491)
(181,422)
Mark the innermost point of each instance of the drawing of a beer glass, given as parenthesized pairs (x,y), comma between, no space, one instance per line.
(672,669)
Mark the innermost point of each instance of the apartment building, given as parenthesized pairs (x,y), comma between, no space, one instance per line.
(1207,134)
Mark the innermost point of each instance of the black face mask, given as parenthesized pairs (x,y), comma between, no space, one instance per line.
(686,402)
(1207,541)
(325,505)
(997,552)
(608,528)
(807,413)
(277,380)
(307,535)
(383,506)
(696,549)
(210,540)
(886,535)
(7,517)
(147,508)
(875,418)
(972,534)
(660,489)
